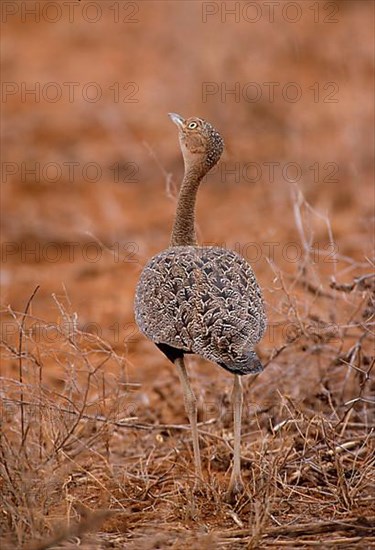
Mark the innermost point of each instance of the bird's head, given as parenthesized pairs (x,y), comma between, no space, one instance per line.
(201,145)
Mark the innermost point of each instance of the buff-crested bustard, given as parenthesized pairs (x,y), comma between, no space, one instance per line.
(202,300)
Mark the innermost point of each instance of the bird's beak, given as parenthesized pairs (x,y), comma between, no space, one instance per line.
(177,119)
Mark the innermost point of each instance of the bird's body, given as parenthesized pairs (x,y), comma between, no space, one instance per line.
(203,300)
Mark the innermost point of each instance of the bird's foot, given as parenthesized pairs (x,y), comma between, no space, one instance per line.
(236,487)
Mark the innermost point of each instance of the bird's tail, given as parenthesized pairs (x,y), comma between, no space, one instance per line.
(249,363)
(254,364)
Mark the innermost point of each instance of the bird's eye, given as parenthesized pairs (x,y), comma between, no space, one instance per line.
(192,125)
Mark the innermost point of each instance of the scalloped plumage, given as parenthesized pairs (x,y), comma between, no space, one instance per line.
(203,300)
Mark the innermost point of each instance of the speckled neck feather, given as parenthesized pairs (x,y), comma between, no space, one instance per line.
(183,232)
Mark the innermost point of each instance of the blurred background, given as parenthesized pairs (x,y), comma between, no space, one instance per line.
(91,168)
(91,162)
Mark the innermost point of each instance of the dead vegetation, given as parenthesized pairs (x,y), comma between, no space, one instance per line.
(95,448)
(78,467)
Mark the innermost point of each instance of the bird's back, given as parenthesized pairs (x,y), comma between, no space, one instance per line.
(203,300)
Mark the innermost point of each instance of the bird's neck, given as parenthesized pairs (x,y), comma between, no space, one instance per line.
(183,232)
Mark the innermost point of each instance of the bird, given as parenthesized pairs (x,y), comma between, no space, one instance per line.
(202,300)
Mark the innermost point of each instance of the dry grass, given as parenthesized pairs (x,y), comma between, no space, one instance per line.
(77,467)
(94,442)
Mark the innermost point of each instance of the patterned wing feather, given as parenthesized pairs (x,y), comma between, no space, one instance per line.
(203,300)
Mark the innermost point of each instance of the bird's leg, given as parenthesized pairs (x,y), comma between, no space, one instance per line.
(191,410)
(236,485)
